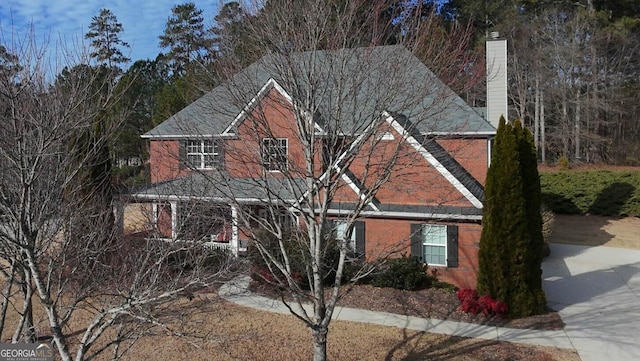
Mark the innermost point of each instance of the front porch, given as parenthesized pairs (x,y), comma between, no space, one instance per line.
(213,225)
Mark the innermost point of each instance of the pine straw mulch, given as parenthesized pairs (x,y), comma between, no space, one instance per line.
(435,303)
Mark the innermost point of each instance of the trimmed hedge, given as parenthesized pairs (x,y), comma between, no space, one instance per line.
(601,192)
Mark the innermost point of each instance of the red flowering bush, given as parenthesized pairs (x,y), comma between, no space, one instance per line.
(262,274)
(471,302)
(491,306)
(466,294)
(471,305)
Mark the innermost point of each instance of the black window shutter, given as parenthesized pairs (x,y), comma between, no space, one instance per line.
(416,241)
(219,146)
(182,154)
(329,229)
(452,246)
(359,228)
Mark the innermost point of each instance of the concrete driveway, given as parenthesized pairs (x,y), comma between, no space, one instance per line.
(596,290)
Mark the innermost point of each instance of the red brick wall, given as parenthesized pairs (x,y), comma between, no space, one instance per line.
(164,158)
(413,180)
(390,237)
(272,118)
(470,153)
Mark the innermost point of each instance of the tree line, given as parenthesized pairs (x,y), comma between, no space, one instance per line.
(573,72)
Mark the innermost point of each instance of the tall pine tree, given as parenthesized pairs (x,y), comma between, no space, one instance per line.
(510,255)
(104,33)
(185,36)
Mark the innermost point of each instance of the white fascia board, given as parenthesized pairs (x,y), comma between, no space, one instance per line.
(187,136)
(344,177)
(469,133)
(253,102)
(433,161)
(405,215)
(271,83)
(174,198)
(358,191)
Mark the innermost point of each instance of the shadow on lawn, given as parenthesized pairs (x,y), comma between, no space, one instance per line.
(445,349)
(588,230)
(580,230)
(453,348)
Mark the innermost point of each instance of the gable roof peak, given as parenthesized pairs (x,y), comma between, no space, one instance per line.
(346,86)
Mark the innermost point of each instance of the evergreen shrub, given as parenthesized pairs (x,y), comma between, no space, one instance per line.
(404,273)
(295,246)
(511,244)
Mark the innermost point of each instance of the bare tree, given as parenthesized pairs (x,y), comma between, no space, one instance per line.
(60,249)
(324,115)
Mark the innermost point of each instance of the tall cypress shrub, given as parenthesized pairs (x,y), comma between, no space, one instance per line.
(510,253)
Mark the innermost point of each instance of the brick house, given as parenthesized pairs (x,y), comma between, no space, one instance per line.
(414,170)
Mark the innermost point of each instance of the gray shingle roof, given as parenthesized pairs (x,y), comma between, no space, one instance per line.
(344,89)
(218,186)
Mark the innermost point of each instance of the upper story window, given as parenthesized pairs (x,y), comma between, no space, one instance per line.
(275,154)
(203,154)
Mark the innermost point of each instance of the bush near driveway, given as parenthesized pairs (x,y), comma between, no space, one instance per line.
(599,192)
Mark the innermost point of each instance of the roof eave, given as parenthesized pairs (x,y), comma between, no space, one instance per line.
(187,136)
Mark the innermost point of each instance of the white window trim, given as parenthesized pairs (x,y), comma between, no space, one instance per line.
(280,167)
(202,154)
(385,136)
(351,243)
(425,243)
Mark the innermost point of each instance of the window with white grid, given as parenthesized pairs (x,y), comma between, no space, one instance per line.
(275,154)
(203,154)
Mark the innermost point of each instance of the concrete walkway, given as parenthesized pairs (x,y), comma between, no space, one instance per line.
(236,291)
(596,290)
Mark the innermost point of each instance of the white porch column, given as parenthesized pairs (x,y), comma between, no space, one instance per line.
(235,243)
(118,213)
(174,220)
(154,215)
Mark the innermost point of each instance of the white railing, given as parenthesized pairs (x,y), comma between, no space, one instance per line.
(210,246)
(242,247)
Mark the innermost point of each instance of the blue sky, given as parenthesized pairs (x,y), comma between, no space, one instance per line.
(66,21)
